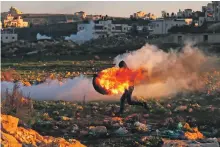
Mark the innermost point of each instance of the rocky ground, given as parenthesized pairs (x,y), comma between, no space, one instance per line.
(181,120)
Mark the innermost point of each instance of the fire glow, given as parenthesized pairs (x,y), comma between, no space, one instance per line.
(117,80)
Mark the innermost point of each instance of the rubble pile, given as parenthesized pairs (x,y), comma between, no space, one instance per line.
(12,135)
(88,121)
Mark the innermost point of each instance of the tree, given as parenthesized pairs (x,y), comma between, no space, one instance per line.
(134,29)
(31,25)
(172,14)
(167,14)
(164,14)
(133,18)
(190,15)
(106,17)
(146,31)
(184,15)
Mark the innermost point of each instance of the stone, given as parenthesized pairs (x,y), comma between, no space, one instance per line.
(132,117)
(84,133)
(212,142)
(168,106)
(190,110)
(9,123)
(9,140)
(97,57)
(98,130)
(180,108)
(75,128)
(121,131)
(140,127)
(146,115)
(65,118)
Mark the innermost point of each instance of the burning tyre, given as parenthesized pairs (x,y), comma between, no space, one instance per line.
(116,80)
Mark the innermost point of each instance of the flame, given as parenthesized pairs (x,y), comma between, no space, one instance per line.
(116,80)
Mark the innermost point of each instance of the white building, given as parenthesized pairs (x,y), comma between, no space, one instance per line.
(185,14)
(180,13)
(216,10)
(209,12)
(161,26)
(8,37)
(198,38)
(105,28)
(188,13)
(94,17)
(201,21)
(80,15)
(139,14)
(212,11)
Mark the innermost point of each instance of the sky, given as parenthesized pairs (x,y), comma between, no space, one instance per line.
(111,8)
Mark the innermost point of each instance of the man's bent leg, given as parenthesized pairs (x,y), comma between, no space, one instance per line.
(122,102)
(130,102)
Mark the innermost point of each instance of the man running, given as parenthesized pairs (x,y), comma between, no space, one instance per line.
(128,93)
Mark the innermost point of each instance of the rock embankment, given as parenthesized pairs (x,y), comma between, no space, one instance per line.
(12,135)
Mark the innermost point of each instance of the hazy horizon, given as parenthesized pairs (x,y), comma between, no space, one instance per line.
(111,8)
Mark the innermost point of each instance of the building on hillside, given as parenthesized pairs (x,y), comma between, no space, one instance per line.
(37,19)
(68,19)
(80,15)
(150,16)
(204,8)
(180,14)
(14,11)
(216,10)
(139,14)
(8,36)
(179,38)
(209,12)
(187,13)
(198,14)
(161,26)
(212,11)
(201,21)
(16,22)
(94,17)
(105,28)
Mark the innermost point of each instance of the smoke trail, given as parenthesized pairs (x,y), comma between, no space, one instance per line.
(40,37)
(84,35)
(69,89)
(169,73)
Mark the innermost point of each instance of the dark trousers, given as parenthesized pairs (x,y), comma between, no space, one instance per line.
(127,95)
